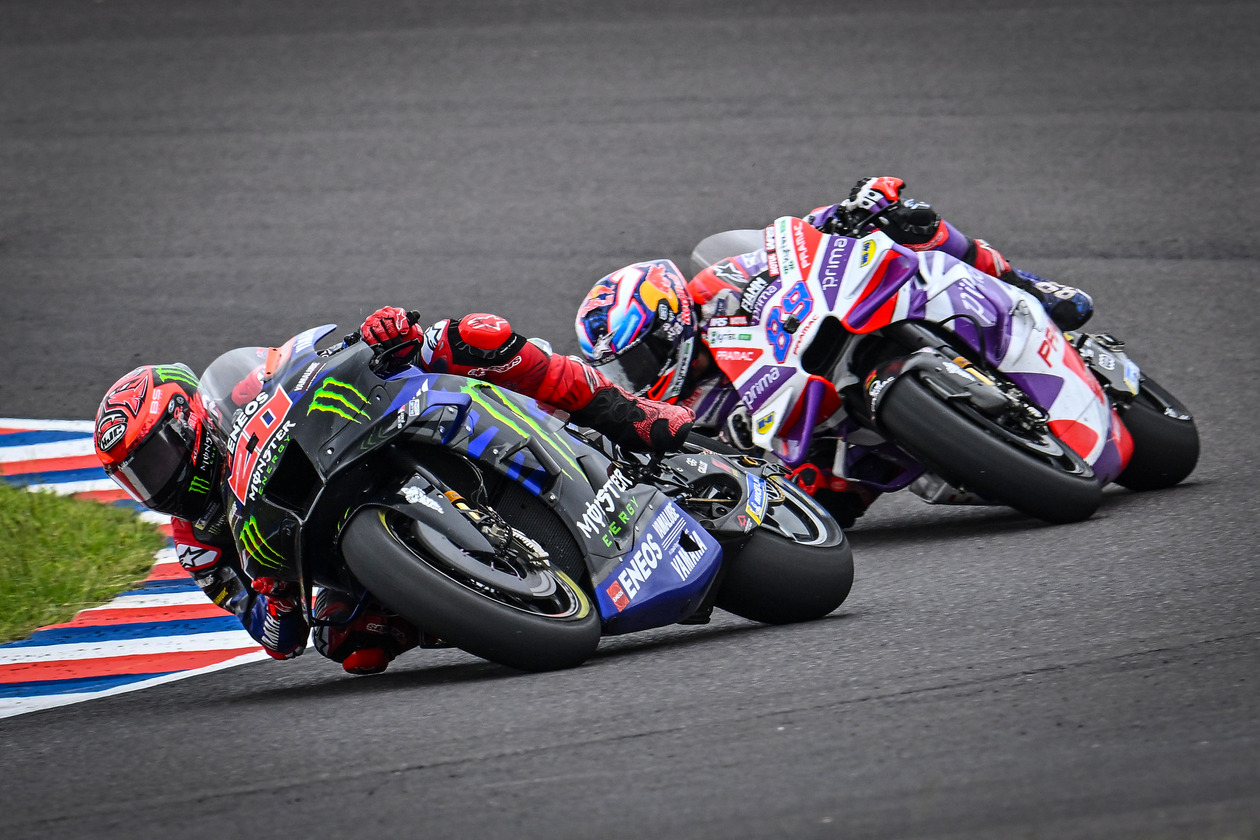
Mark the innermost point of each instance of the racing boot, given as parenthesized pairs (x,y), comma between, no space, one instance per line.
(365,645)
(1067,306)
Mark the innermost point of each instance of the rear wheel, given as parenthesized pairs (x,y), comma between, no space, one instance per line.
(1165,440)
(1031,471)
(522,614)
(797,566)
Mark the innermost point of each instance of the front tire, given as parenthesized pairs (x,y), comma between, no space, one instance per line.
(560,630)
(797,566)
(1055,485)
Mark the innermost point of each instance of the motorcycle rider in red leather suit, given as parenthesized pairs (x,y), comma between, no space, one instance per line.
(151,437)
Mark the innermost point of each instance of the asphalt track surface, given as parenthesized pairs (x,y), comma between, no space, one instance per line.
(179,178)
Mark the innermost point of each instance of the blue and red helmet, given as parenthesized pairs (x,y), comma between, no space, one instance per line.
(638,325)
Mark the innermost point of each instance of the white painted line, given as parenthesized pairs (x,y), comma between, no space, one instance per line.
(188,642)
(10,706)
(166,599)
(40,451)
(48,425)
(68,488)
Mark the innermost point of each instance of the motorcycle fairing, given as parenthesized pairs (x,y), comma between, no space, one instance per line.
(664,578)
(348,415)
(872,282)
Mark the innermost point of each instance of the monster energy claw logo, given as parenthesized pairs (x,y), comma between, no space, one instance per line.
(253,542)
(340,398)
(198,485)
(172,373)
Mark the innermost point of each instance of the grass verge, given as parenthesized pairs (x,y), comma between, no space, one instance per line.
(59,555)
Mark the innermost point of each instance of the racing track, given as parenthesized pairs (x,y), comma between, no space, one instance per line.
(179,178)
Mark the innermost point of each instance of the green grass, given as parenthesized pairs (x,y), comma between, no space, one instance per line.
(59,555)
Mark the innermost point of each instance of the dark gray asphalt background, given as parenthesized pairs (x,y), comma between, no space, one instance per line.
(177,178)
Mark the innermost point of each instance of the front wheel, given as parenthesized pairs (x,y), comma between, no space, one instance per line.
(1034,473)
(533,619)
(1165,440)
(797,566)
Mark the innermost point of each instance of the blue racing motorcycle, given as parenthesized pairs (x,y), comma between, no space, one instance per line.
(485,519)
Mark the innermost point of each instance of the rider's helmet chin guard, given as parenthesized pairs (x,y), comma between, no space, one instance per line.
(151,439)
(638,326)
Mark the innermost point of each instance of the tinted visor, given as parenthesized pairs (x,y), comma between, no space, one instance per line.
(157,471)
(641,366)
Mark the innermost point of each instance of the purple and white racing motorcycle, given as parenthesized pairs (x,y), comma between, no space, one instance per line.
(932,375)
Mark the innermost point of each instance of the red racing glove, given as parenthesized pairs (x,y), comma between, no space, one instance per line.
(388,327)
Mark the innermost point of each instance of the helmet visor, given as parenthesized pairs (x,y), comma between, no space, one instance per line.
(640,367)
(156,472)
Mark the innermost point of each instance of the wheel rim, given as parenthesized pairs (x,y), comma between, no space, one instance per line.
(560,598)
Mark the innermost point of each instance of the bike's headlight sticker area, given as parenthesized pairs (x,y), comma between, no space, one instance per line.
(673,552)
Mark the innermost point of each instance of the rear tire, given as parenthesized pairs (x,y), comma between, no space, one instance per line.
(560,632)
(1165,447)
(1055,488)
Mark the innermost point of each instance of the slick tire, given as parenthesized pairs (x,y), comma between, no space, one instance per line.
(519,635)
(774,580)
(1165,448)
(961,450)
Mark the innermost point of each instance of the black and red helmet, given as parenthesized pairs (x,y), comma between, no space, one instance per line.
(150,437)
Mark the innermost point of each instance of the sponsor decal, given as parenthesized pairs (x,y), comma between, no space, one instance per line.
(875,386)
(772,263)
(668,530)
(868,251)
(802,247)
(595,519)
(252,541)
(172,373)
(728,271)
(757,497)
(268,458)
(199,485)
(754,288)
(831,269)
(194,557)
(480,373)
(756,294)
(762,383)
(765,422)
(618,596)
(259,435)
(1048,344)
(416,496)
(340,398)
(307,375)
(971,293)
(732,354)
(638,568)
(619,521)
(111,428)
